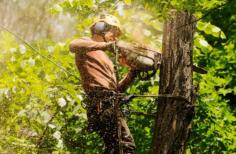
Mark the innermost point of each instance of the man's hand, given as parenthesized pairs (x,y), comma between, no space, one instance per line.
(127,80)
(135,72)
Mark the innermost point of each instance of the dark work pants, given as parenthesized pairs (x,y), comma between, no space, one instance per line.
(105,123)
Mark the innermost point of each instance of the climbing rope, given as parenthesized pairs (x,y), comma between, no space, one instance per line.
(116,103)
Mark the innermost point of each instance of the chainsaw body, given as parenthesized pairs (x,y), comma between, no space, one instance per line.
(144,60)
(140,58)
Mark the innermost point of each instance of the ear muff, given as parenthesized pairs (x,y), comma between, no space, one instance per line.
(99,27)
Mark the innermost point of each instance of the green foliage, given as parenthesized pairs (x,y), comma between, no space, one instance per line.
(41,105)
(213,130)
(33,98)
(213,127)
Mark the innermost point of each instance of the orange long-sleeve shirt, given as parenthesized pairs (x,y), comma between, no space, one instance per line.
(96,69)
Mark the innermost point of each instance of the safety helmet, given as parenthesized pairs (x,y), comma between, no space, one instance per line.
(104,22)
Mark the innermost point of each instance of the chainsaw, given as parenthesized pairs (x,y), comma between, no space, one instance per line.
(144,60)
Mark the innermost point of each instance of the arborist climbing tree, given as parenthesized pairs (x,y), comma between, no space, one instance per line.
(100,83)
(99,80)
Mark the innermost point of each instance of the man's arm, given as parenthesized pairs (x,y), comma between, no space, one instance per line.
(127,80)
(86,44)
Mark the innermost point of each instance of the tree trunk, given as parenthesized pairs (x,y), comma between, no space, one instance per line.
(175,112)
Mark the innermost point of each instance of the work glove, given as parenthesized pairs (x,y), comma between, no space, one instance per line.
(135,71)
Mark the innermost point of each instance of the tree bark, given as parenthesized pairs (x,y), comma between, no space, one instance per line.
(174,114)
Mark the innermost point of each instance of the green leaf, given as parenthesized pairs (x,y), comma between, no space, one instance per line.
(127,2)
(71,3)
(88,3)
(222,35)
(201,43)
(210,29)
(57,8)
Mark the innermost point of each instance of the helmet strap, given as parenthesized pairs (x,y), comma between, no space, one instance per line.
(103,36)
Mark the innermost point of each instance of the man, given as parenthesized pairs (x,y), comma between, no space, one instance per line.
(100,84)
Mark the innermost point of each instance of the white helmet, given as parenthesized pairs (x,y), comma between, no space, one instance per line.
(104,22)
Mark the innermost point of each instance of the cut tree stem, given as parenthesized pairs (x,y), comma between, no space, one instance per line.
(174,116)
